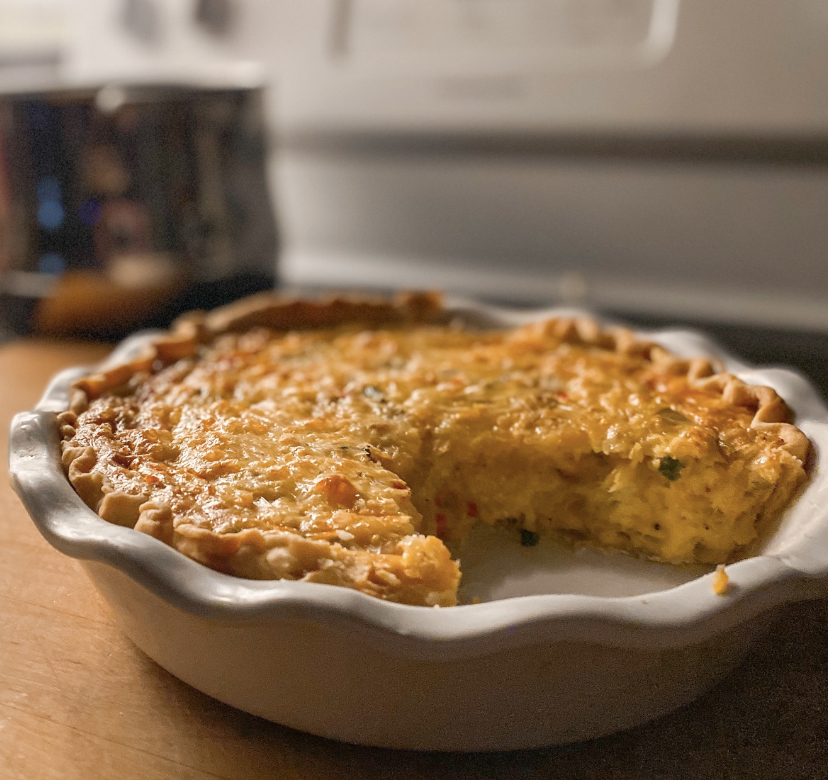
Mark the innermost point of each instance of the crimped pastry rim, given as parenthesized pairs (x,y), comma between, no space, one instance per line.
(675,617)
(771,413)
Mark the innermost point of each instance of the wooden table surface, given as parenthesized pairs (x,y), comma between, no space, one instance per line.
(78,700)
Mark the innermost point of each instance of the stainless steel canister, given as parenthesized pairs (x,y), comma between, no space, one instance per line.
(123,206)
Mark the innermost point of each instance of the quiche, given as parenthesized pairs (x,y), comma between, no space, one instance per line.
(356,443)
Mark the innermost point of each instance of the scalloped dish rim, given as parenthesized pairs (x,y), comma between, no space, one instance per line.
(793,565)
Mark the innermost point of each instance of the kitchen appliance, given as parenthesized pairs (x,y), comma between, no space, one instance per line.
(124,202)
(653,157)
(661,159)
(124,206)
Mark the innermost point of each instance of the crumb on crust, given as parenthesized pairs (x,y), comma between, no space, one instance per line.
(721,581)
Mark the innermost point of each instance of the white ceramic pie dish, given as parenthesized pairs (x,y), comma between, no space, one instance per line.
(563,646)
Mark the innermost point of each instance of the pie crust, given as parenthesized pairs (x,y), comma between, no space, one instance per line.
(356,441)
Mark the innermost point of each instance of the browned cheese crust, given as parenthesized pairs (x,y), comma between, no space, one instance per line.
(356,442)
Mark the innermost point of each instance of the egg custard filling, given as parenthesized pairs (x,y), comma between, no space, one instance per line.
(360,451)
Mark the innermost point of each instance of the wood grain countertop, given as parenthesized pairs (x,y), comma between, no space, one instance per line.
(78,700)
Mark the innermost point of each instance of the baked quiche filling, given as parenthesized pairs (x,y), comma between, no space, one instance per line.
(362,453)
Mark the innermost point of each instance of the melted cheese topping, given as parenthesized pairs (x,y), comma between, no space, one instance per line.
(354,457)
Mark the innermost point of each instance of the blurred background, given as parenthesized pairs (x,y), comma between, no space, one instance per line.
(665,161)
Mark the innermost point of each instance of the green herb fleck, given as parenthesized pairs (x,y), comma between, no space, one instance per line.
(670,468)
(528,538)
(671,415)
